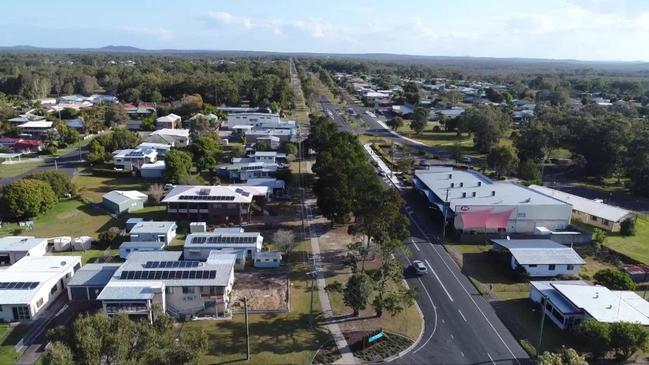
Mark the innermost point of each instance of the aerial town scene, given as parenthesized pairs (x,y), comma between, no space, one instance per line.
(324,182)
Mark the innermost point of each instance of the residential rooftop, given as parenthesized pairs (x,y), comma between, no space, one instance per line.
(152,227)
(540,252)
(19,243)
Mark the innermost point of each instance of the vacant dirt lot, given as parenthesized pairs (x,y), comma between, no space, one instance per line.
(266,291)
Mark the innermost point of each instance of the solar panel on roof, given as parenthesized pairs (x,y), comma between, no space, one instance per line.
(21,285)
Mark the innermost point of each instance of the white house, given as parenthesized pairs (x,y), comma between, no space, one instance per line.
(153,170)
(126,248)
(31,284)
(173,137)
(169,121)
(591,212)
(133,159)
(541,258)
(153,231)
(243,171)
(38,128)
(13,248)
(567,303)
(476,204)
(182,288)
(235,240)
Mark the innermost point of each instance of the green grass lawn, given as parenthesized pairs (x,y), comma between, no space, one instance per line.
(92,187)
(11,170)
(67,218)
(93,255)
(637,246)
(9,337)
(444,140)
(284,338)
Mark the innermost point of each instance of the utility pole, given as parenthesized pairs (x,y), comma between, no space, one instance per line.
(245,311)
(538,347)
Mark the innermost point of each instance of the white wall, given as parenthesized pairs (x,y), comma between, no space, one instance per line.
(544,270)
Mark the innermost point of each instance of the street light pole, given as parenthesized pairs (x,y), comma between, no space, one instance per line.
(543,301)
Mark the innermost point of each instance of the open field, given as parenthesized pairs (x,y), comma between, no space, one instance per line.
(92,187)
(284,338)
(445,140)
(637,246)
(68,218)
(15,169)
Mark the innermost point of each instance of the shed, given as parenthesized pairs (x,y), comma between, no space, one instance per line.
(541,258)
(120,201)
(197,227)
(153,170)
(267,259)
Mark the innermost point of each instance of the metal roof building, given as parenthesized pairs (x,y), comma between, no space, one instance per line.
(541,258)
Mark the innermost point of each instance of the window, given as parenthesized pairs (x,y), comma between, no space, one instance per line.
(54,289)
(551,267)
(188,290)
(77,267)
(532,265)
(593,218)
(39,303)
(21,313)
(605,221)
(0,308)
(571,267)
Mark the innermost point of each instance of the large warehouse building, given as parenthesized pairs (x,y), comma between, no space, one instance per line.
(476,204)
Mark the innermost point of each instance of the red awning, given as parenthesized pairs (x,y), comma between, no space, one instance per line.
(485,219)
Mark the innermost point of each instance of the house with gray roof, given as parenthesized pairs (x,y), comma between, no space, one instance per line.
(153,231)
(183,288)
(13,248)
(90,280)
(540,258)
(244,244)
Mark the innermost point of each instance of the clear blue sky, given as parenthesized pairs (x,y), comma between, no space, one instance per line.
(576,29)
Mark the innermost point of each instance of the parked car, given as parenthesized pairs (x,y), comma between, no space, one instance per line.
(420,267)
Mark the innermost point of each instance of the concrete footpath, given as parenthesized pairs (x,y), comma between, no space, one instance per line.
(334,329)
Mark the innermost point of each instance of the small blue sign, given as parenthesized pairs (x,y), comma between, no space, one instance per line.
(376,337)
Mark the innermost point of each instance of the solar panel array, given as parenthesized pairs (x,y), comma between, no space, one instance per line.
(224,239)
(18,285)
(167,274)
(170,264)
(206,197)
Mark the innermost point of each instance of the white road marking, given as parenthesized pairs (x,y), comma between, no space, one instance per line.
(417,247)
(462,315)
(466,291)
(491,358)
(434,310)
(462,353)
(452,337)
(439,280)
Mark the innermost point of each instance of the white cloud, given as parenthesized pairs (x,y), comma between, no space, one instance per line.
(229,19)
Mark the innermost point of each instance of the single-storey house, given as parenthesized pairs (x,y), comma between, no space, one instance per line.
(567,303)
(169,121)
(127,248)
(540,258)
(13,248)
(153,170)
(147,231)
(90,280)
(233,240)
(32,283)
(120,201)
(36,128)
(591,212)
(173,137)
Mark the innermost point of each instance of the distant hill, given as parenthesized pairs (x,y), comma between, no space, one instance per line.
(482,63)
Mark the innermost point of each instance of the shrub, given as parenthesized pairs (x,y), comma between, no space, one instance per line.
(627,227)
(614,280)
(599,235)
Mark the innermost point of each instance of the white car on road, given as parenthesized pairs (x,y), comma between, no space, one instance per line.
(420,267)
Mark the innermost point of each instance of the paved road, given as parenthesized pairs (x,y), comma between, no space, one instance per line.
(461,327)
(374,127)
(67,164)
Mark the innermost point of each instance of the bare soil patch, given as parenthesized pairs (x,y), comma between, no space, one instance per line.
(266,291)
